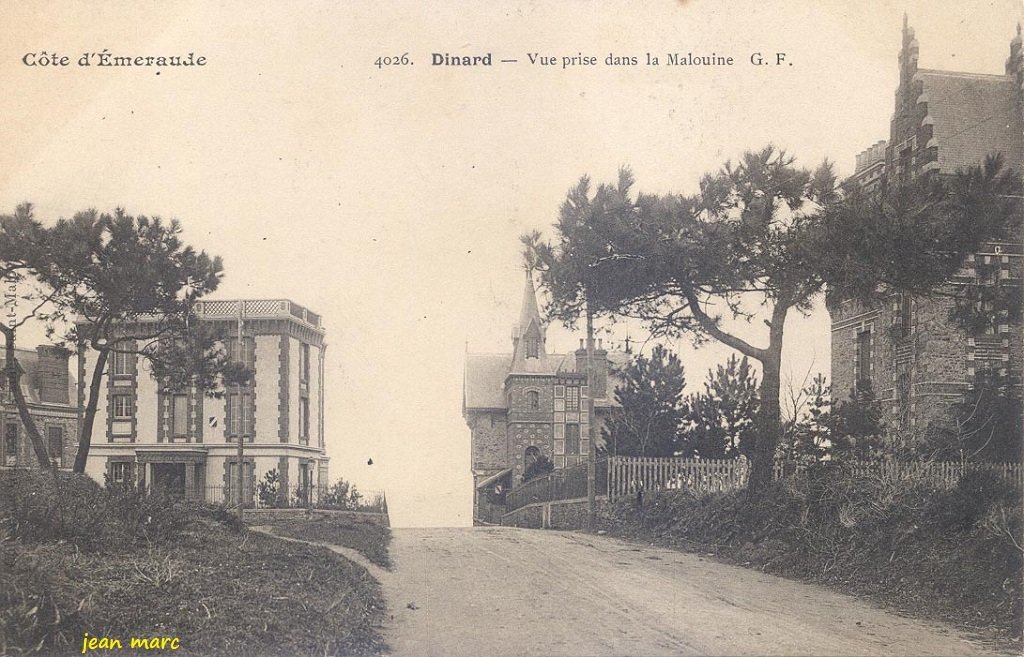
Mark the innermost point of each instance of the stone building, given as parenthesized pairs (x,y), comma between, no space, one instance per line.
(48,389)
(907,351)
(531,403)
(185,442)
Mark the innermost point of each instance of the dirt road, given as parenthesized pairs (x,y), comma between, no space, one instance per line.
(504,591)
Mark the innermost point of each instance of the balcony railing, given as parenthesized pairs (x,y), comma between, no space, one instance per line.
(259,308)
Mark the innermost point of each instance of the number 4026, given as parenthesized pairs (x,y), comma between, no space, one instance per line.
(398,60)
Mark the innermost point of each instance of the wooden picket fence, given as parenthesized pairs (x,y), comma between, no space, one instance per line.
(629,474)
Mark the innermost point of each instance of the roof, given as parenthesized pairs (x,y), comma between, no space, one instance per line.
(544,364)
(484,385)
(484,382)
(493,478)
(529,312)
(530,328)
(973,116)
(28,359)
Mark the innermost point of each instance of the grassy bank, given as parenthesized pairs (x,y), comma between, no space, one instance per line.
(75,558)
(368,538)
(951,555)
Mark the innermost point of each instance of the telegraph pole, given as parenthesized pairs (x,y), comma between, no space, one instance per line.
(591,449)
(241,417)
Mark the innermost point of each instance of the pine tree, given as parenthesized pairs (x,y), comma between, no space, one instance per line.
(650,397)
(719,422)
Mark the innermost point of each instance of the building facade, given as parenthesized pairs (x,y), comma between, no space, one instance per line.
(907,351)
(186,442)
(46,385)
(530,403)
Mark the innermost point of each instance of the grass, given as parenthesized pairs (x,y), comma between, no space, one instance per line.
(951,555)
(220,589)
(368,538)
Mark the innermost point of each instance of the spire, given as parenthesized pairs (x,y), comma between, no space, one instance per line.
(529,335)
(530,311)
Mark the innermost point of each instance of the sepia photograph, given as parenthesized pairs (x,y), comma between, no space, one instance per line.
(568,329)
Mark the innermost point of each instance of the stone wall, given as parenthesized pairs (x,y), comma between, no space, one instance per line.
(265,516)
(489,445)
(919,370)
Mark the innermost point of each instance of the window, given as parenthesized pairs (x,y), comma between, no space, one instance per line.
(246,356)
(121,406)
(232,483)
(572,398)
(863,361)
(240,414)
(532,399)
(122,363)
(906,314)
(572,439)
(55,443)
(532,348)
(179,416)
(120,472)
(304,419)
(304,363)
(10,444)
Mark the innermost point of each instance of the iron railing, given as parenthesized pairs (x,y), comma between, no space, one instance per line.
(564,484)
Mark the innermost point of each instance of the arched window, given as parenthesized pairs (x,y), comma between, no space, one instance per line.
(531,455)
(532,348)
(532,400)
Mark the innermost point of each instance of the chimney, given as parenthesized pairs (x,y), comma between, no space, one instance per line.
(598,387)
(52,374)
(1015,62)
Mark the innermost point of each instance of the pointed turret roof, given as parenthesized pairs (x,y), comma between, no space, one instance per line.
(529,330)
(530,311)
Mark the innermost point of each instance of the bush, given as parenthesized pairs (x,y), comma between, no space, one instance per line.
(341,495)
(949,553)
(540,466)
(268,490)
(37,507)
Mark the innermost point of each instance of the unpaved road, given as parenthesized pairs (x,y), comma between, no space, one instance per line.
(484,592)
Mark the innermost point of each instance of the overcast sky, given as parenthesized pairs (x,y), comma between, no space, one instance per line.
(391,200)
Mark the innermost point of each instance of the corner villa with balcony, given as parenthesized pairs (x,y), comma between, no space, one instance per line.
(185,442)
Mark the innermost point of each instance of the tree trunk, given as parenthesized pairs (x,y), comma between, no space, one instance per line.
(85,432)
(769,415)
(14,384)
(769,425)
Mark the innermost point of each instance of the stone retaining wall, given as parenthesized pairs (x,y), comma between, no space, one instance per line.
(263,516)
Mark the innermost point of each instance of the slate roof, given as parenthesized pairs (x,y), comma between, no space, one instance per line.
(28,359)
(973,116)
(484,378)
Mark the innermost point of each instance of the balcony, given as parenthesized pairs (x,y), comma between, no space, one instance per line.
(257,309)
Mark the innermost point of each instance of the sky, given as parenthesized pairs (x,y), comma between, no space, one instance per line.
(390,199)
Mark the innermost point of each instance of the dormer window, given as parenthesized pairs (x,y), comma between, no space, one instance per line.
(532,348)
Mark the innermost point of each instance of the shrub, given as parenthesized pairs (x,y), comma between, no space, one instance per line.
(950,553)
(36,507)
(268,491)
(541,465)
(341,495)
